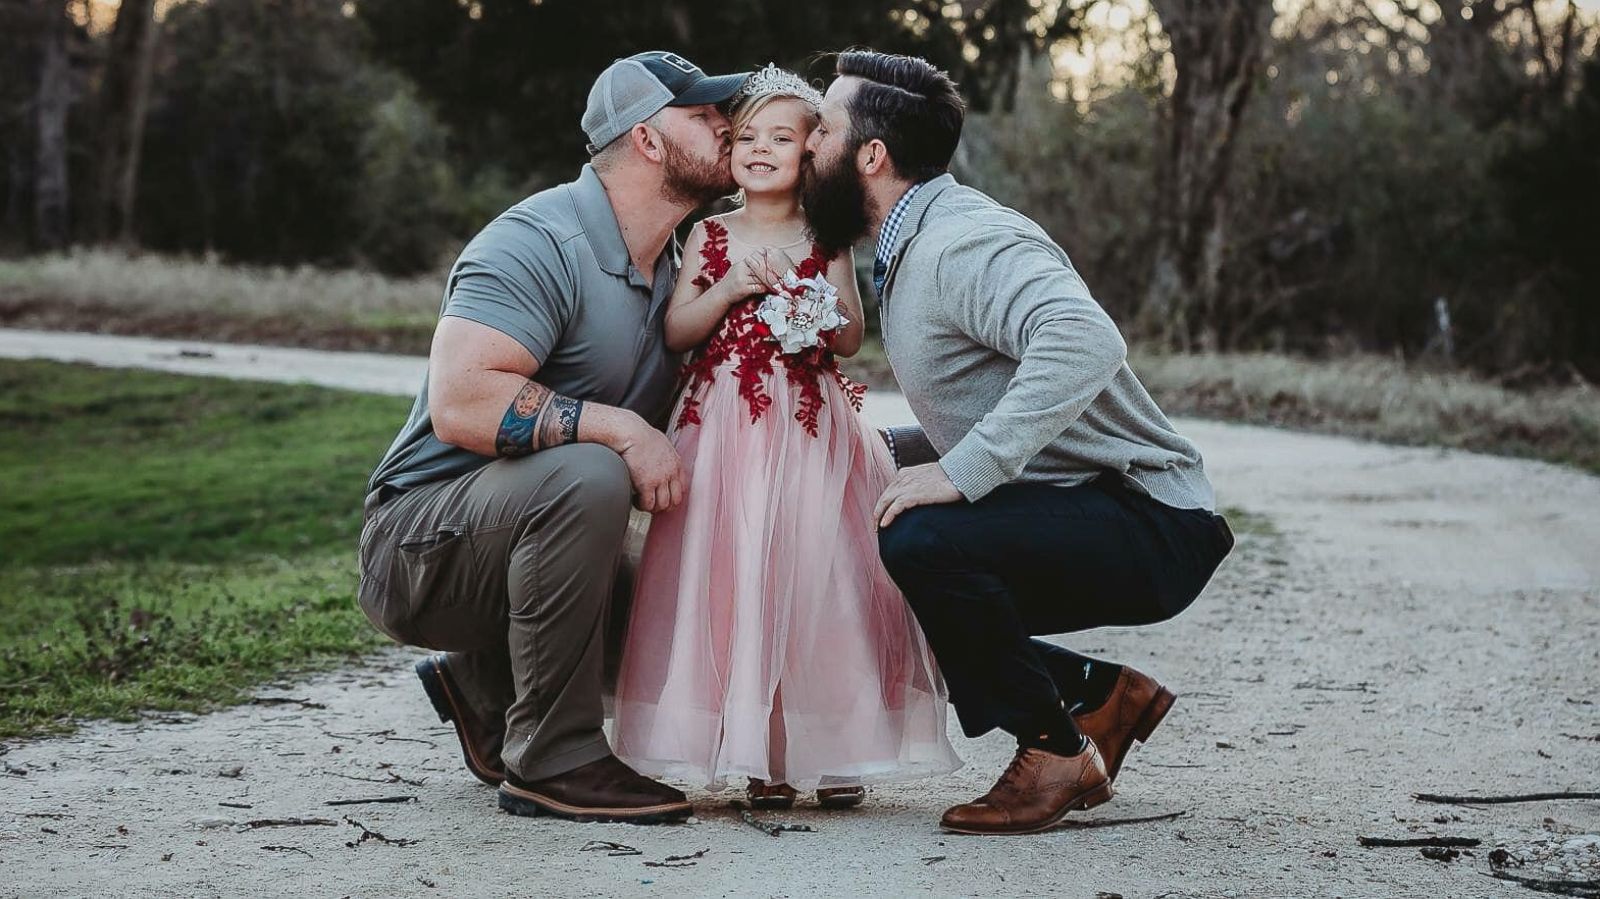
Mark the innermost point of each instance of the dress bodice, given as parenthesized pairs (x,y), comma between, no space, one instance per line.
(742,346)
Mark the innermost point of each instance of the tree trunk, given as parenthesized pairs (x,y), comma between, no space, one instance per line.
(1217,46)
(124,101)
(50,189)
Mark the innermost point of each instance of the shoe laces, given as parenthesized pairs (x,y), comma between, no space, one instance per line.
(1014,771)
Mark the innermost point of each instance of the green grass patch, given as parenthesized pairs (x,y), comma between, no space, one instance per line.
(1244,522)
(166,542)
(115,639)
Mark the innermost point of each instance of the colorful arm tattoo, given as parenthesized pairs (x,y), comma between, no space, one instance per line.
(537,418)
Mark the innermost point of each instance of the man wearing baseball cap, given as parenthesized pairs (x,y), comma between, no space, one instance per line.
(495,524)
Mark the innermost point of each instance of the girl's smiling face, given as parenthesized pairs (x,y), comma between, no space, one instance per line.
(767,148)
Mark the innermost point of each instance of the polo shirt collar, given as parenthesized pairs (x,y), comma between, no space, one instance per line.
(599,223)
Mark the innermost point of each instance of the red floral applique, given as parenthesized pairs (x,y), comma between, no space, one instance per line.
(745,340)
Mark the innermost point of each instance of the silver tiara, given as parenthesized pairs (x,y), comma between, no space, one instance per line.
(773,80)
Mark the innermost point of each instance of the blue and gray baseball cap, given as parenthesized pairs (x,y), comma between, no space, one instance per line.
(634,89)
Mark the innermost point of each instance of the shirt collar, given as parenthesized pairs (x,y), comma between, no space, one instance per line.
(892,222)
(599,223)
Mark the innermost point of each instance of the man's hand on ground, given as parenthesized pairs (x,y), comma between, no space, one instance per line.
(919,485)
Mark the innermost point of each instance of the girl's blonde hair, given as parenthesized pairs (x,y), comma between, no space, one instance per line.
(747,108)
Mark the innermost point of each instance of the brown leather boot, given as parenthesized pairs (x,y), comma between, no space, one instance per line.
(480,740)
(1034,793)
(605,790)
(1136,705)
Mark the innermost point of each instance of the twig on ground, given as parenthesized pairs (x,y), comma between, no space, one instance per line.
(392,739)
(770,828)
(1588,889)
(386,736)
(368,833)
(373,801)
(1362,687)
(392,778)
(287,822)
(1114,822)
(1497,800)
(287,849)
(609,848)
(669,864)
(690,857)
(396,778)
(286,700)
(1419,841)
(235,805)
(934,859)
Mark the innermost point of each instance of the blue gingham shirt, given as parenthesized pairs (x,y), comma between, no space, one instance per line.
(887,235)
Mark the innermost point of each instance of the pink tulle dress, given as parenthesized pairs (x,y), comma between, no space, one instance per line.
(765,638)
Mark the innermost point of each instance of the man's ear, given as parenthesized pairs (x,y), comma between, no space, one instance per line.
(647,141)
(873,157)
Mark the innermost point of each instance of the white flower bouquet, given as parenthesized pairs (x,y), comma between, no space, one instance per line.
(800,311)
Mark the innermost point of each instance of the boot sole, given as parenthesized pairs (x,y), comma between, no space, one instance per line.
(1084,801)
(529,804)
(445,704)
(1149,720)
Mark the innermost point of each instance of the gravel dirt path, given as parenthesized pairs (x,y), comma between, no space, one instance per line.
(1393,621)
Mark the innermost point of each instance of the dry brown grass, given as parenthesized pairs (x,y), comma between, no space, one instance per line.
(112,279)
(112,292)
(1382,399)
(1366,396)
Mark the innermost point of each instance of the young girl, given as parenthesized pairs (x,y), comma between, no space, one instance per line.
(766,640)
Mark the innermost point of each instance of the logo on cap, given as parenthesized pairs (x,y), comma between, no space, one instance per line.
(679,63)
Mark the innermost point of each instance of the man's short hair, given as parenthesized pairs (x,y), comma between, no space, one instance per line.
(910,105)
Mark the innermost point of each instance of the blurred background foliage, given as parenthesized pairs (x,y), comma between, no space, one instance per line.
(1411,177)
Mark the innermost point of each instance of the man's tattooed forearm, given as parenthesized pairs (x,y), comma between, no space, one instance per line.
(537,418)
(558,423)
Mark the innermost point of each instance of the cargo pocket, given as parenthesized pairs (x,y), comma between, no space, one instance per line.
(381,606)
(430,574)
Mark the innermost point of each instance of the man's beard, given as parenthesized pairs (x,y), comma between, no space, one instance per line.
(835,201)
(694,181)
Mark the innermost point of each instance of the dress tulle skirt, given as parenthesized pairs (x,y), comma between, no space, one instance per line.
(765,638)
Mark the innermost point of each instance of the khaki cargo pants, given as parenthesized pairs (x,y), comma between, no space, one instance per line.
(513,569)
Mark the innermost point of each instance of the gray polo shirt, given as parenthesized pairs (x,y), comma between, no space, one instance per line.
(553,273)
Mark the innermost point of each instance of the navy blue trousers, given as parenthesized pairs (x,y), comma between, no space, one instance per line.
(984,578)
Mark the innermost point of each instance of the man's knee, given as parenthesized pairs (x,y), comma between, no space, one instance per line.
(586,482)
(913,544)
(598,472)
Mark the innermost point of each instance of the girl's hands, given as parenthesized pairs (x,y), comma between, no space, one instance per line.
(758,273)
(746,278)
(777,264)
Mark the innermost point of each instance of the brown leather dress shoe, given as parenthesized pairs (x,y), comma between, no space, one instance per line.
(605,790)
(480,740)
(1136,705)
(1034,793)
